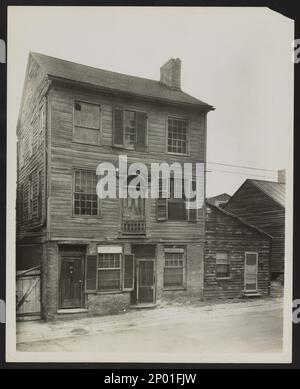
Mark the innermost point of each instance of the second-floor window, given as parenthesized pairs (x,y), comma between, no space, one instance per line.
(177,136)
(130,129)
(86,123)
(85,199)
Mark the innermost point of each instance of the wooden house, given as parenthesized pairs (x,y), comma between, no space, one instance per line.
(102,256)
(237,256)
(262,203)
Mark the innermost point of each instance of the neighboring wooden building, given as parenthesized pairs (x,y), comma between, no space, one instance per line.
(237,257)
(219,200)
(101,256)
(262,203)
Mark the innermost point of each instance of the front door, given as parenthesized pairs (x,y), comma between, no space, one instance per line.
(251,272)
(71,282)
(145,281)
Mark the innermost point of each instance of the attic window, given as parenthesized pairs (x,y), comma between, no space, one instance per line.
(86,123)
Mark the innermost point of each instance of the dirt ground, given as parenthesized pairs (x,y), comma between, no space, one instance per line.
(250,326)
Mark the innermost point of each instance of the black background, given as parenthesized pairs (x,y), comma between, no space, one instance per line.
(287,8)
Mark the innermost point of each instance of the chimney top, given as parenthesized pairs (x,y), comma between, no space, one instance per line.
(170,74)
(281,176)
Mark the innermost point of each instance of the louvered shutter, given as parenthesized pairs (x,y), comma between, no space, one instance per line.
(128,272)
(161,204)
(192,213)
(91,273)
(118,125)
(141,127)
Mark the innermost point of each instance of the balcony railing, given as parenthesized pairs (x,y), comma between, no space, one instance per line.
(134,227)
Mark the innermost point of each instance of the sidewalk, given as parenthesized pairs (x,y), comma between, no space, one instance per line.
(34,331)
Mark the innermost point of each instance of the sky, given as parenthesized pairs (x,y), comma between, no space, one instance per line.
(237,59)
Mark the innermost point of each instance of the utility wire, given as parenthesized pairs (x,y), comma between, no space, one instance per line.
(239,173)
(243,167)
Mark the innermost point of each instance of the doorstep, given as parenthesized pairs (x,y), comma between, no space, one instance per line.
(251,294)
(71,310)
(143,306)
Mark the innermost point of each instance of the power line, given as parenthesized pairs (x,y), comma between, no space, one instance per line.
(239,173)
(243,167)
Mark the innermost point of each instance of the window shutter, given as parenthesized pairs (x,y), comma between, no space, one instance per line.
(192,213)
(141,127)
(91,273)
(118,123)
(161,204)
(128,272)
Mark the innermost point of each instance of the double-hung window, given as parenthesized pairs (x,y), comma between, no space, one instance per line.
(177,136)
(174,267)
(85,199)
(109,272)
(222,265)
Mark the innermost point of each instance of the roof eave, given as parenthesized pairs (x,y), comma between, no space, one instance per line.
(203,107)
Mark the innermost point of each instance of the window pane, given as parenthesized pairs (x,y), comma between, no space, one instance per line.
(130,128)
(108,280)
(177,136)
(176,210)
(173,276)
(85,197)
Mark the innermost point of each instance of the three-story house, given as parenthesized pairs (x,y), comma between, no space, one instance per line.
(104,255)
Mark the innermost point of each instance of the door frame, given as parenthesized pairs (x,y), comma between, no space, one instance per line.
(81,257)
(256,253)
(137,279)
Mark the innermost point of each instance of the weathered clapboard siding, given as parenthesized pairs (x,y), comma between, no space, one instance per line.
(258,209)
(227,234)
(66,155)
(30,132)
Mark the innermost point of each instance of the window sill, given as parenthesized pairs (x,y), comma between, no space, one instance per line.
(182,154)
(86,144)
(181,288)
(223,278)
(105,293)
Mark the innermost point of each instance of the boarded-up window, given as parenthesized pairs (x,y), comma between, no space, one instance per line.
(85,199)
(91,273)
(222,265)
(130,129)
(128,272)
(86,123)
(174,269)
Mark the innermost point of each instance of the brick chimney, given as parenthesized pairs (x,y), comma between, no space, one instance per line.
(281,176)
(170,74)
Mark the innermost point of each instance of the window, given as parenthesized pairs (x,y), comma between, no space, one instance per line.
(222,265)
(21,152)
(30,198)
(174,269)
(42,124)
(109,272)
(39,194)
(133,208)
(176,206)
(86,123)
(177,136)
(130,129)
(85,199)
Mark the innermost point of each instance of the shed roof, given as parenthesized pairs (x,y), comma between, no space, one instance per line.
(62,69)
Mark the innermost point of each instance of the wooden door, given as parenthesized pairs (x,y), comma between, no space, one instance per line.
(251,272)
(71,282)
(145,281)
(28,294)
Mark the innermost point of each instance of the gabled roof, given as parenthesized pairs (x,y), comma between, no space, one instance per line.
(112,81)
(272,189)
(239,219)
